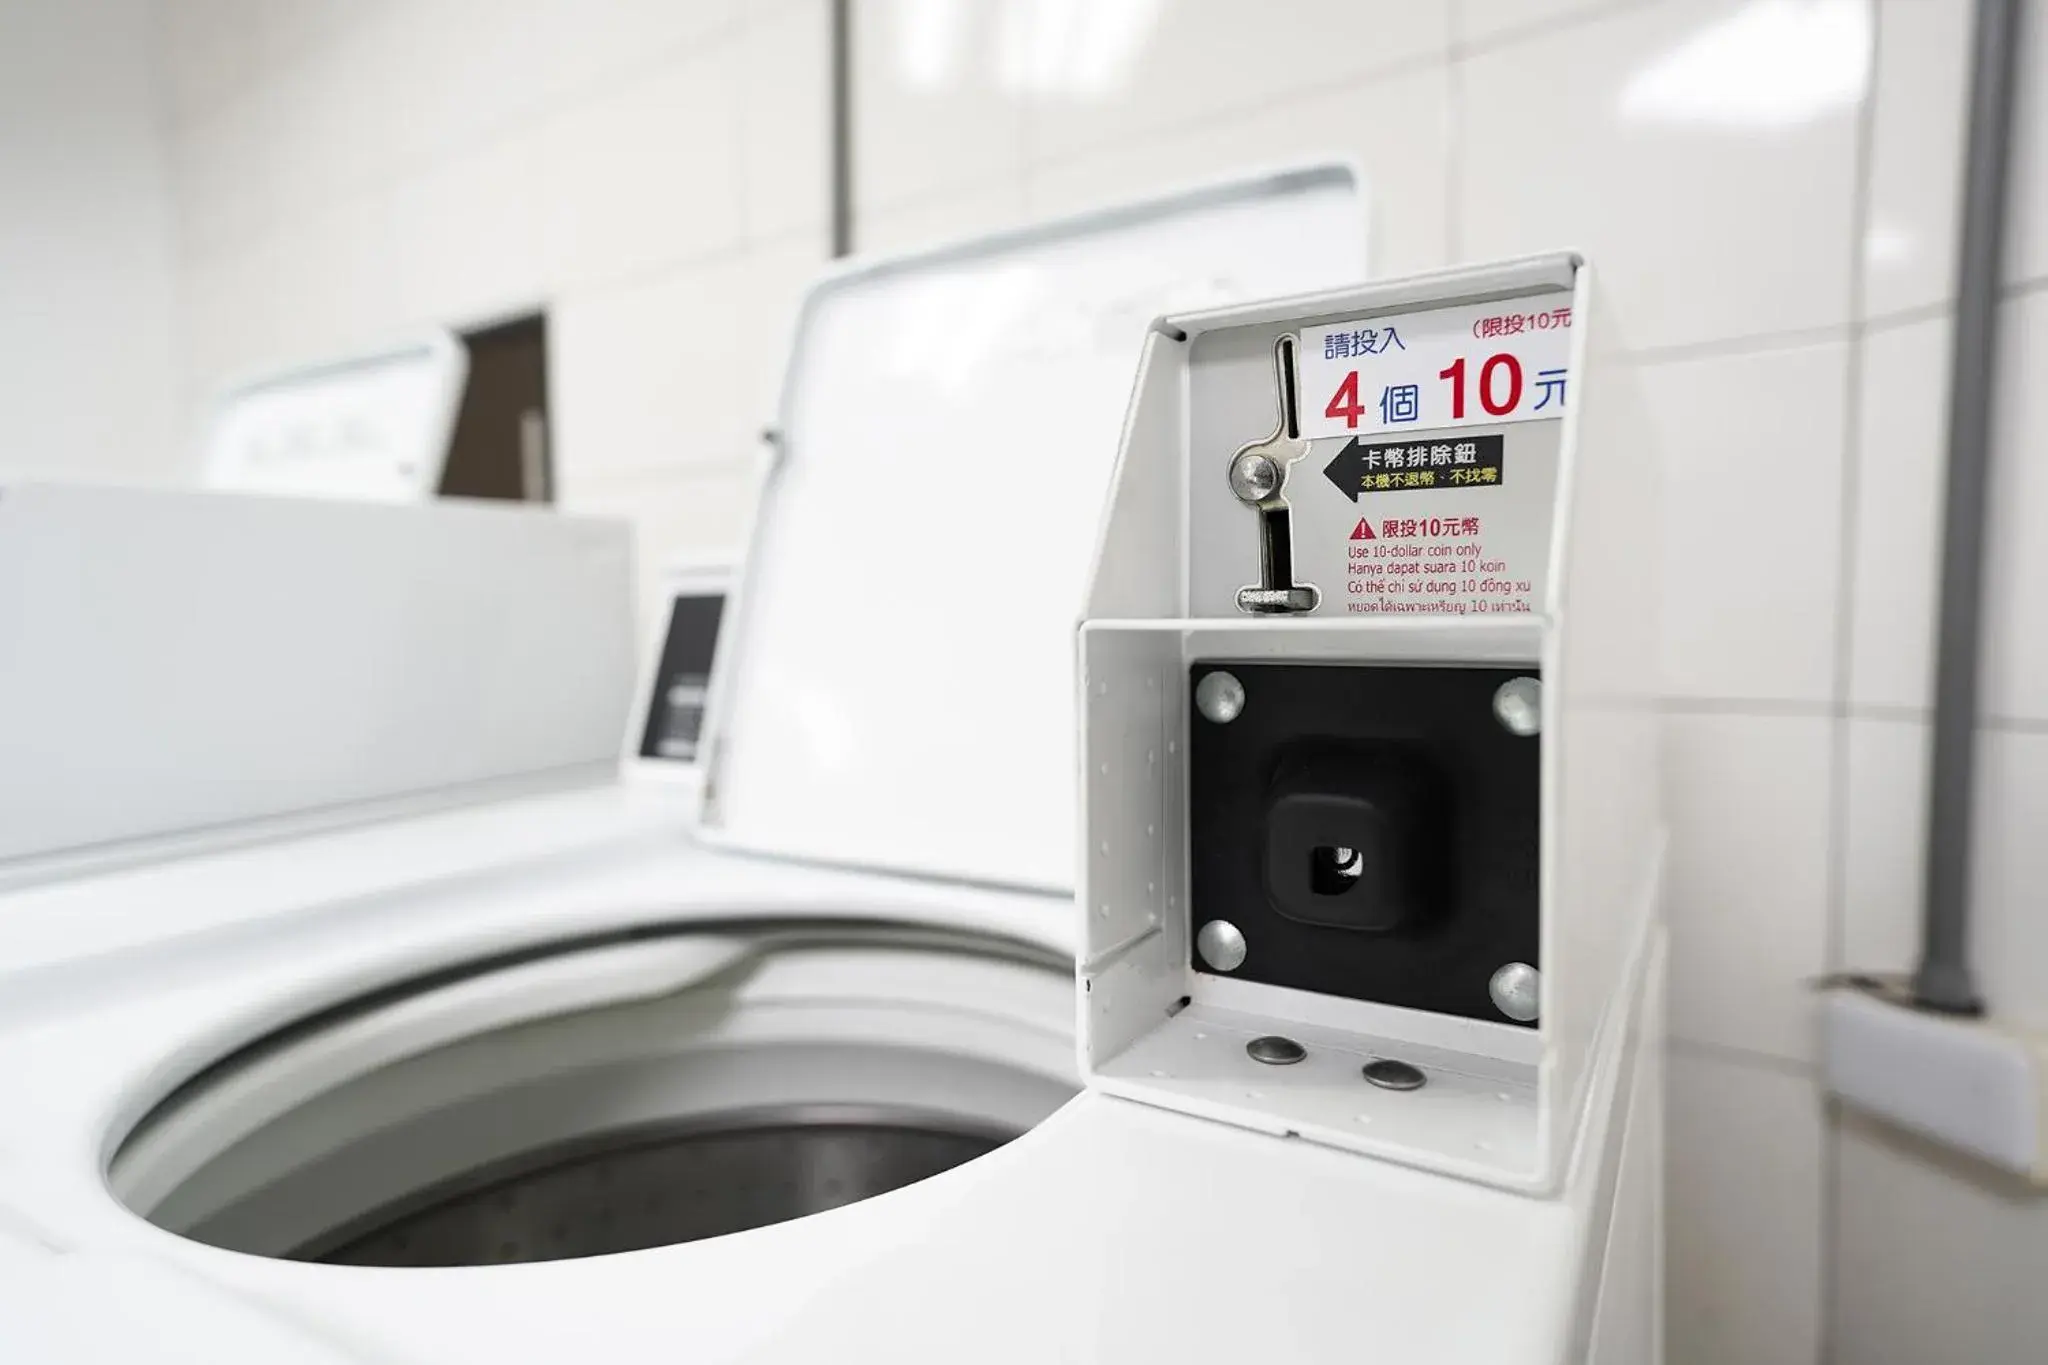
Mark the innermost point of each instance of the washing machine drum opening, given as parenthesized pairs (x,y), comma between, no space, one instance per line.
(628,1193)
(610,1099)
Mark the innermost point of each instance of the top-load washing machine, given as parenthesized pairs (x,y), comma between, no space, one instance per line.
(346,1017)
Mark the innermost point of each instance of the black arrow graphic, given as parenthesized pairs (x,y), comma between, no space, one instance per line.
(1347,469)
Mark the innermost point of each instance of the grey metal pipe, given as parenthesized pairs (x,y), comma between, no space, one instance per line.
(842,128)
(1944,980)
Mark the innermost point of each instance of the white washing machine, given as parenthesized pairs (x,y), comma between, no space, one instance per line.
(350,1014)
(350,1010)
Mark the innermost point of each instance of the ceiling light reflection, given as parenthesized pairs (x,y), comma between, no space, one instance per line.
(929,41)
(1081,49)
(1771,64)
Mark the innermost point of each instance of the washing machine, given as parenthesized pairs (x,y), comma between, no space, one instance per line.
(354,1008)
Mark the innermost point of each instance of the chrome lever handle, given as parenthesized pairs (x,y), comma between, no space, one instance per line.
(1258,478)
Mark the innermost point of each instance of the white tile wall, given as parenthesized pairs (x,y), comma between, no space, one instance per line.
(588,43)
(930,121)
(1705,161)
(1937,1259)
(221,169)
(88,383)
(1934,1262)
(1744,1251)
(1749,861)
(785,120)
(1752,445)
(1403,162)
(645,174)
(1131,67)
(1476,22)
(1897,486)
(1765,188)
(471,231)
(2027,252)
(2016,526)
(1917,112)
(1884,819)
(2011,867)
(209,51)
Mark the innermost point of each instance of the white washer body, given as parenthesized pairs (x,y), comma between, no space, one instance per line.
(1113,1231)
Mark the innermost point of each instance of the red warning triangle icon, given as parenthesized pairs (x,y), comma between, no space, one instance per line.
(1363,531)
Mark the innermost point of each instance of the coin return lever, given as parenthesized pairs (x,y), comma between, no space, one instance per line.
(1371,799)
(1258,476)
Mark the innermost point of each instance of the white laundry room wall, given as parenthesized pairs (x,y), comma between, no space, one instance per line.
(87,278)
(652,172)
(1767,189)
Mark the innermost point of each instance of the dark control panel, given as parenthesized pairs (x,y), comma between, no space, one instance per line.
(675,703)
(1371,831)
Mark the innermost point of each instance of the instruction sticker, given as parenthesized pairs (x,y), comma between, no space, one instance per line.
(1470,462)
(1483,364)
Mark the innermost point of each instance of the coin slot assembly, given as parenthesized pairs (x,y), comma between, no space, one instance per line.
(1373,851)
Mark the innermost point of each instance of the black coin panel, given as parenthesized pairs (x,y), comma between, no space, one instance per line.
(1372,830)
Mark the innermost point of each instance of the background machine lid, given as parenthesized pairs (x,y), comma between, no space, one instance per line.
(373,426)
(896,687)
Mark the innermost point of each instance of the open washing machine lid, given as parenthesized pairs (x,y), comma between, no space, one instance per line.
(894,689)
(374,425)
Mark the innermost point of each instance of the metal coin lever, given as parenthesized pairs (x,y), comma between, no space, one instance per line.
(1258,476)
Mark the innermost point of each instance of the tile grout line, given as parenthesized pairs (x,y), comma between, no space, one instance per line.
(657,272)
(1889,711)
(1542,28)
(1773,707)
(1845,561)
(1837,894)
(1728,1054)
(1754,343)
(2011,291)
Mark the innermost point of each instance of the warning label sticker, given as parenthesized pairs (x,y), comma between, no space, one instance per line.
(1471,541)
(1437,565)
(1473,462)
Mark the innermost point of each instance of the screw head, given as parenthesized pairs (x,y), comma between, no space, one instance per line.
(1389,1074)
(1518,706)
(1221,945)
(1275,1050)
(1254,478)
(1220,697)
(1517,991)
